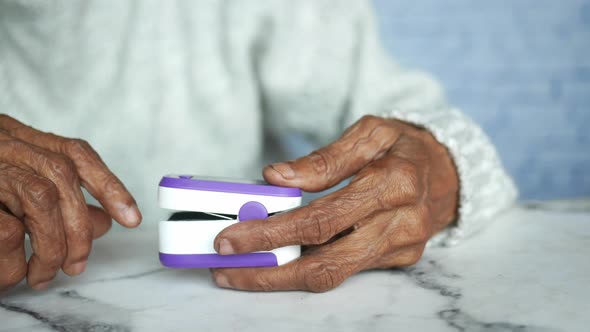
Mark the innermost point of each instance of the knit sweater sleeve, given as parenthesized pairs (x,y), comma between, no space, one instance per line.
(339,87)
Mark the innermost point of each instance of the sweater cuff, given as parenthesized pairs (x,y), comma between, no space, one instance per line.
(485,188)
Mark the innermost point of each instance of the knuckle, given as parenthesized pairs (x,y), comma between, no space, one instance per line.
(41,193)
(262,284)
(317,227)
(80,247)
(78,149)
(370,120)
(65,168)
(393,183)
(112,187)
(267,237)
(321,162)
(378,184)
(407,176)
(411,257)
(12,233)
(13,276)
(111,184)
(417,227)
(81,254)
(322,276)
(62,168)
(53,256)
(405,181)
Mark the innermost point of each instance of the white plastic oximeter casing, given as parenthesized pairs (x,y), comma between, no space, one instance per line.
(189,243)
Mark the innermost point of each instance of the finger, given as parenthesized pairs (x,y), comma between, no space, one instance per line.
(315,223)
(9,201)
(365,141)
(61,172)
(92,171)
(321,271)
(406,256)
(38,198)
(385,185)
(100,219)
(404,227)
(13,264)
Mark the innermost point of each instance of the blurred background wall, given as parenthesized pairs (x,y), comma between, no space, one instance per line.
(520,68)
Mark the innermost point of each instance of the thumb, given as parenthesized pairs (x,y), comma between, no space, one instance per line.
(366,140)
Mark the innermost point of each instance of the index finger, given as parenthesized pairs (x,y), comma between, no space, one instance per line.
(367,140)
(94,175)
(315,223)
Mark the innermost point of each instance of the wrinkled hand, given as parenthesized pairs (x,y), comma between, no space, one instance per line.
(404,189)
(40,194)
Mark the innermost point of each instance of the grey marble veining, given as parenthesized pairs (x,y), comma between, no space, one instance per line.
(527,272)
(98,316)
(431,275)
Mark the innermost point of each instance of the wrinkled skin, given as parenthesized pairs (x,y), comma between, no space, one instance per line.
(404,189)
(41,176)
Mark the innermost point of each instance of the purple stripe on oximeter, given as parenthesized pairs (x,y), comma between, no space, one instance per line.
(211,184)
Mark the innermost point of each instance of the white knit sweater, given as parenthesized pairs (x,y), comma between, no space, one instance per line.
(163,86)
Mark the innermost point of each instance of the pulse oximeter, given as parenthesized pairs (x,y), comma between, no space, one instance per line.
(205,206)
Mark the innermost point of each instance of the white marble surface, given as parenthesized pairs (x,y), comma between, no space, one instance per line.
(529,271)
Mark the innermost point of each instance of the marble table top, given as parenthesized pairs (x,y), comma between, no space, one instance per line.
(528,271)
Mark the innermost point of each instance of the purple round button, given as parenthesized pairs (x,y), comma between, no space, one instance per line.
(252,210)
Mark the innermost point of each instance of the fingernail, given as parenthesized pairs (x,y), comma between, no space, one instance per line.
(77,268)
(41,285)
(132,215)
(222,281)
(225,247)
(284,170)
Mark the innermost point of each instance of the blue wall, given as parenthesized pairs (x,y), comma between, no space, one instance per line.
(521,68)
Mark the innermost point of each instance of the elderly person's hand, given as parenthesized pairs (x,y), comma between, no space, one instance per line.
(41,175)
(404,189)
